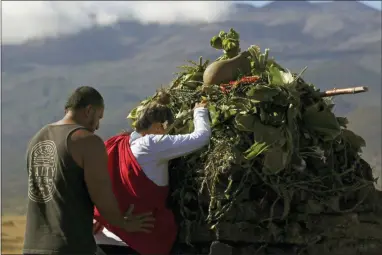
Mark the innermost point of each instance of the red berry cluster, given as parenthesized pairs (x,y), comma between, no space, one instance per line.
(226,88)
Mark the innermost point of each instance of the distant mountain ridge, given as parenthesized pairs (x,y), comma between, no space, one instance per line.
(340,42)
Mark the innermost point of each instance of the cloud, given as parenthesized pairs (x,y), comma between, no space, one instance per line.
(22,20)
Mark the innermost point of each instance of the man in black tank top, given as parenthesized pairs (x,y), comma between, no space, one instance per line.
(67,175)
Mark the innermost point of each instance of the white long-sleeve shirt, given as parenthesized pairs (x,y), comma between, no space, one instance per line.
(153,152)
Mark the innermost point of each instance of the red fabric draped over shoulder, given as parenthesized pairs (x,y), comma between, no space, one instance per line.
(132,186)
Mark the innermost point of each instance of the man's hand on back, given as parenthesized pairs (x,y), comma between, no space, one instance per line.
(133,223)
(139,222)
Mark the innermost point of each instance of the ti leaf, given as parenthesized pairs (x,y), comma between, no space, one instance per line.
(262,133)
(321,121)
(275,76)
(229,44)
(275,160)
(215,114)
(216,42)
(355,141)
(255,150)
(262,93)
(133,114)
(233,34)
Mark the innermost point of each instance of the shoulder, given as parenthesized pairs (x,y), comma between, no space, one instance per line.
(146,143)
(156,139)
(85,139)
(146,140)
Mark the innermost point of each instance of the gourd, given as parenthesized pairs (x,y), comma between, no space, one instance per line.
(223,71)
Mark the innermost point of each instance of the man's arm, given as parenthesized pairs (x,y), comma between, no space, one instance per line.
(88,150)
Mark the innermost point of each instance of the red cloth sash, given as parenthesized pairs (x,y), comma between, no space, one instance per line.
(132,186)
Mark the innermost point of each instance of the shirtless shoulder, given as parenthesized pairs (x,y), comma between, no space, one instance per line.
(82,143)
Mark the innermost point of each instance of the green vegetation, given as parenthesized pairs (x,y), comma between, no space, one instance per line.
(279,160)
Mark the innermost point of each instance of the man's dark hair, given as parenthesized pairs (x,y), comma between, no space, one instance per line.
(82,97)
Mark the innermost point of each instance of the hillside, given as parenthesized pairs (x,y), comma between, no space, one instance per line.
(338,41)
(12,235)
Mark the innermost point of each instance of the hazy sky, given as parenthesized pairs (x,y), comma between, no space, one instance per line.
(374,4)
(22,20)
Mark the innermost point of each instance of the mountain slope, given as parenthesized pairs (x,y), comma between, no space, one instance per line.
(339,42)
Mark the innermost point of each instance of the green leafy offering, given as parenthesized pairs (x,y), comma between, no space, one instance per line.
(321,121)
(273,135)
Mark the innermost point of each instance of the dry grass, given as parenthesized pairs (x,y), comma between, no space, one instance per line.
(12,234)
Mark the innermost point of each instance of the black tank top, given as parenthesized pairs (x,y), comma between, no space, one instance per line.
(60,211)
